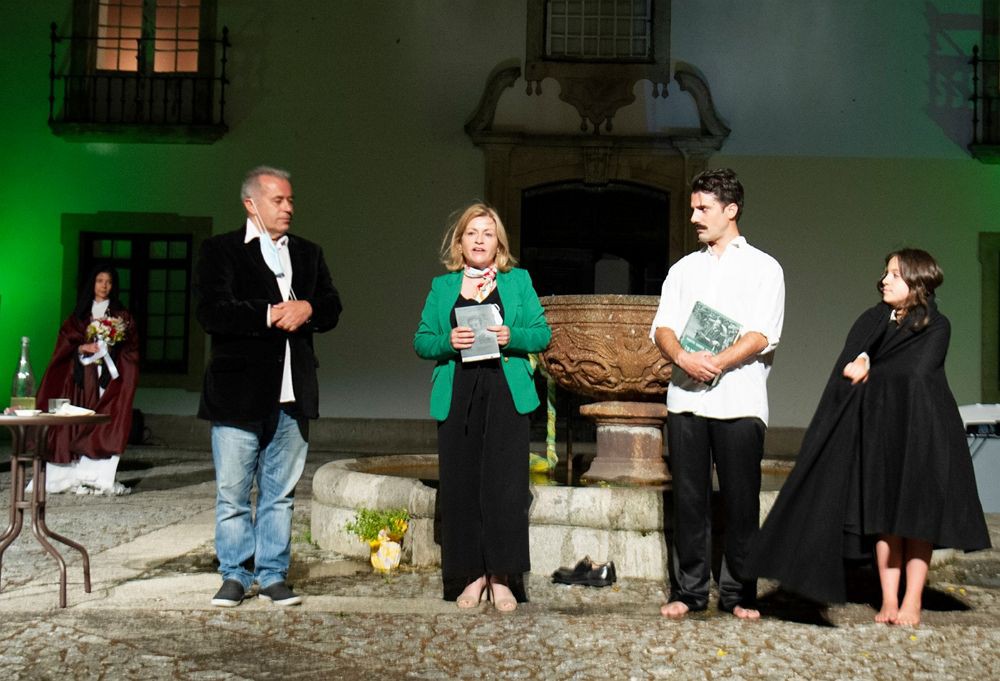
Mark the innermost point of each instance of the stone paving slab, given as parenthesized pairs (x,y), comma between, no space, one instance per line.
(263,644)
(149,616)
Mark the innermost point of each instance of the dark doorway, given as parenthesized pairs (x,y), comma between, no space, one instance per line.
(581,239)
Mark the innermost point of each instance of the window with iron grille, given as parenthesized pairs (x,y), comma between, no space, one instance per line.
(599,30)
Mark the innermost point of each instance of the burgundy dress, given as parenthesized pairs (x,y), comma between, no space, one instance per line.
(66,377)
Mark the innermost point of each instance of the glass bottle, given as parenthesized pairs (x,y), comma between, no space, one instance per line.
(22,391)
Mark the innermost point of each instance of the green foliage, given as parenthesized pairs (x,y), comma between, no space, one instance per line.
(368,522)
(304,537)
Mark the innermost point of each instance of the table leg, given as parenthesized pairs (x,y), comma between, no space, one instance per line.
(17,504)
(16,496)
(38,521)
(38,524)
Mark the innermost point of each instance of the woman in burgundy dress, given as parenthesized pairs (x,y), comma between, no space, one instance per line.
(85,458)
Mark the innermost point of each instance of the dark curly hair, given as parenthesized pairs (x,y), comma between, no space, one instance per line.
(723,184)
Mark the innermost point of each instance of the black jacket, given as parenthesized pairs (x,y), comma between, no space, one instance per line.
(233,287)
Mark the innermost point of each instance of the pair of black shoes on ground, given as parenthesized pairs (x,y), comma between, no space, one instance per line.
(587,573)
(232,594)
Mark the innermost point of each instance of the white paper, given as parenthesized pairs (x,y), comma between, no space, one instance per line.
(72,410)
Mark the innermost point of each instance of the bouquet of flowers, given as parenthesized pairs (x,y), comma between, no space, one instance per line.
(383,530)
(106,332)
(369,522)
(111,330)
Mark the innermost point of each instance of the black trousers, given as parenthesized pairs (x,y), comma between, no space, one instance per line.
(483,495)
(736,446)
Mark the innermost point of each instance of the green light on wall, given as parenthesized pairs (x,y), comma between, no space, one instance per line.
(30,293)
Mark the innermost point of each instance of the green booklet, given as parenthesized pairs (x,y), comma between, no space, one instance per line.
(709,329)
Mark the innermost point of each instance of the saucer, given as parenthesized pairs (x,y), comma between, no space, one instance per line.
(27,412)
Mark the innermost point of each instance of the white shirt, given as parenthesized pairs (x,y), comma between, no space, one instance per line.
(285,286)
(745,284)
(99,308)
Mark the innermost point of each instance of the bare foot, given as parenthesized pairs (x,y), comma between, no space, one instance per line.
(908,615)
(746,613)
(887,615)
(473,594)
(674,610)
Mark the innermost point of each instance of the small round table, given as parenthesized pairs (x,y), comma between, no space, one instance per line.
(35,428)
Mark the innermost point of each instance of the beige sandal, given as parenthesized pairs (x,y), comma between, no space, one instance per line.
(468,599)
(505,603)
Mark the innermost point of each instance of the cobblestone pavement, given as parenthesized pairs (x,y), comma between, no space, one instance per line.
(151,619)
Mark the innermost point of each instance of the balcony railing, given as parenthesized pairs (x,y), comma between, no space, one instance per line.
(139,105)
(985,108)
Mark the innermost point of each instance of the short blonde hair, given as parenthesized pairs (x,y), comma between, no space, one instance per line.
(451,247)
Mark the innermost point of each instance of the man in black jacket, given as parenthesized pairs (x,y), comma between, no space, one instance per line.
(262,293)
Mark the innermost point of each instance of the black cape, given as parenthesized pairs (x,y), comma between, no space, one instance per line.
(884,457)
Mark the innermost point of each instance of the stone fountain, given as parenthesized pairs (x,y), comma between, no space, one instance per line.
(601,349)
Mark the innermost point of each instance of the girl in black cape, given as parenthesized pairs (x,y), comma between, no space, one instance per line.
(884,460)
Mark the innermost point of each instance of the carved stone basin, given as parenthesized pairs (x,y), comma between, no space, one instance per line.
(601,348)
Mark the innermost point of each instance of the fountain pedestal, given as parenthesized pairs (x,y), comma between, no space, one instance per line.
(629,442)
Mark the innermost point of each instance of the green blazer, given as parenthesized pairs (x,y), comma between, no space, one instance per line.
(529,332)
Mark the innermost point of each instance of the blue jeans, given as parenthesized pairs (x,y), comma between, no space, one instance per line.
(264,541)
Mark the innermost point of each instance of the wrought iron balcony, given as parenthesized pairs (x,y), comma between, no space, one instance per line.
(140,105)
(985,108)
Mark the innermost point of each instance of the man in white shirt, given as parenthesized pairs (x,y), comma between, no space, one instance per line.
(262,294)
(717,403)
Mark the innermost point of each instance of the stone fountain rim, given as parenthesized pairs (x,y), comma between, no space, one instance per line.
(343,483)
(604,298)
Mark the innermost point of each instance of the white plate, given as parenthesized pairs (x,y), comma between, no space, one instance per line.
(27,412)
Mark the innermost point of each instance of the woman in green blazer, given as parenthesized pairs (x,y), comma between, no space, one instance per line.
(482,410)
